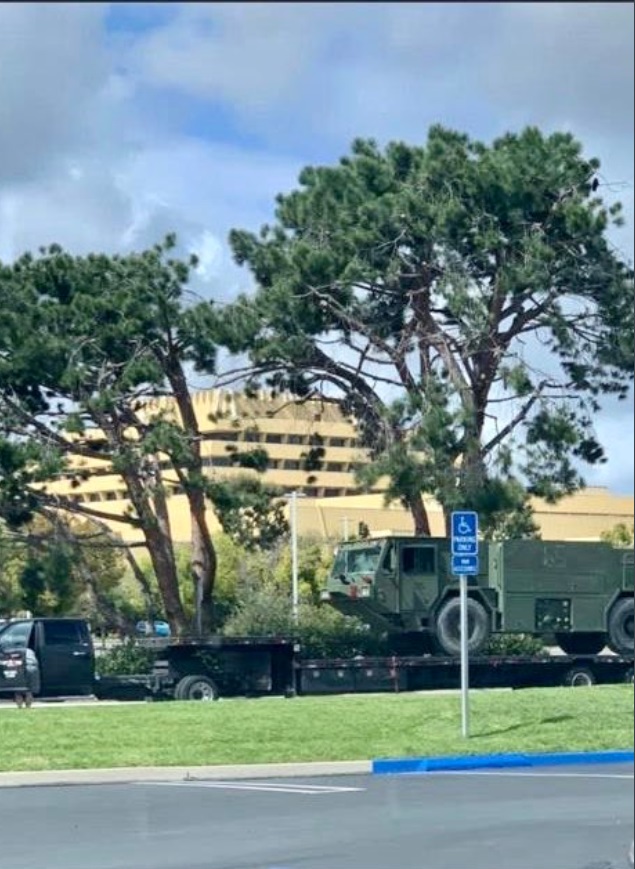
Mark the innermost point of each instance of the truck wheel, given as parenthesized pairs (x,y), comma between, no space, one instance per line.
(581,644)
(199,688)
(579,677)
(621,627)
(448,626)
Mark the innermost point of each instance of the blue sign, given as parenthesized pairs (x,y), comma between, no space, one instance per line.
(465,565)
(465,543)
(465,533)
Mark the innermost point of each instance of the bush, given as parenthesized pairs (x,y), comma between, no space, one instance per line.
(125,660)
(322,631)
(515,644)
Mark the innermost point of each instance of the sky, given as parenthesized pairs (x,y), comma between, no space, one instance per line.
(122,122)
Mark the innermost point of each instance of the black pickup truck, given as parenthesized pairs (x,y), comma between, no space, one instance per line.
(64,650)
(195,669)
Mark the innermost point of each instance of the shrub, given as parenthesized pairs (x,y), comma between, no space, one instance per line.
(124,660)
(322,631)
(515,644)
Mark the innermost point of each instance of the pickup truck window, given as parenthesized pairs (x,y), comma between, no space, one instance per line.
(16,636)
(63,633)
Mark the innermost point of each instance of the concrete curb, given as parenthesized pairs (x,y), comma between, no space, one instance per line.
(127,775)
(414,765)
(398,766)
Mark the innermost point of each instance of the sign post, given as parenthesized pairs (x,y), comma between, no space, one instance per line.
(464,564)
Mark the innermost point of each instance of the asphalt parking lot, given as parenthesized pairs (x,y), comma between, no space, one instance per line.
(569,818)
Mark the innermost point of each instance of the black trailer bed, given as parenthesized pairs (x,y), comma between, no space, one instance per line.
(417,673)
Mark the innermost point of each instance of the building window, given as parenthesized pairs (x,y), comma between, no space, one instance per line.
(297,439)
(222,436)
(338,442)
(291,465)
(252,436)
(333,493)
(310,491)
(222,462)
(334,466)
(273,439)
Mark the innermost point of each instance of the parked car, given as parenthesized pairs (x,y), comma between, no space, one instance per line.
(158,629)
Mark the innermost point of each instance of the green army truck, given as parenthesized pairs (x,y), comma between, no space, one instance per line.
(579,593)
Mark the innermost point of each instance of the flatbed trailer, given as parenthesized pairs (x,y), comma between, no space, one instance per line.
(213,667)
(430,672)
(206,669)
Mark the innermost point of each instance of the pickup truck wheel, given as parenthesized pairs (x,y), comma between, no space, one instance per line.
(621,627)
(448,627)
(579,677)
(200,688)
(581,644)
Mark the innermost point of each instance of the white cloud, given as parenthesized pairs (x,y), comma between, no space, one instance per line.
(53,67)
(253,56)
(209,252)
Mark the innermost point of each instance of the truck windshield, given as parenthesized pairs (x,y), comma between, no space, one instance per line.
(357,560)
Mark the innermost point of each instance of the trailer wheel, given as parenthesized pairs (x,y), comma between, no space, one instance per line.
(579,677)
(621,627)
(199,688)
(581,644)
(448,626)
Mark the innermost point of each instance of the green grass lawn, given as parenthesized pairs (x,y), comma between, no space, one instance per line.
(314,728)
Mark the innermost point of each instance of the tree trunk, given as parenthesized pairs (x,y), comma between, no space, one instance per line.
(419,515)
(164,564)
(156,530)
(204,561)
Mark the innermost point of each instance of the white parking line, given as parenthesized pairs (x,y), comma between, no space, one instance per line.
(257,787)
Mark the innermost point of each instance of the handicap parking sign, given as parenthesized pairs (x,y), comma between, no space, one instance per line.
(464,542)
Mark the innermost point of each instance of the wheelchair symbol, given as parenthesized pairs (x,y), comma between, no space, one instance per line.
(465,527)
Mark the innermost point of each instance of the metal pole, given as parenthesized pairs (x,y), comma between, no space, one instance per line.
(346,533)
(465,673)
(295,593)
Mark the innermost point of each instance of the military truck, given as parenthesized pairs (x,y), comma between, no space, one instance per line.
(578,593)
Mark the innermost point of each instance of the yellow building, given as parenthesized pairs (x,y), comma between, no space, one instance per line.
(333,504)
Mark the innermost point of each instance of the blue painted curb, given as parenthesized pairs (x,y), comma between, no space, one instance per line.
(413,765)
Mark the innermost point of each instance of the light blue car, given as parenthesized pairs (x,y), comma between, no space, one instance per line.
(160,629)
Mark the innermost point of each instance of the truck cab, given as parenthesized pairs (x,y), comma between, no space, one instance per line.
(395,583)
(64,650)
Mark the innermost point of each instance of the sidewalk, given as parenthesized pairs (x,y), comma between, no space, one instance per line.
(126,775)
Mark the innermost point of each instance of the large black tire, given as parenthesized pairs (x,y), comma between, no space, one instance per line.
(196,688)
(581,644)
(448,627)
(621,627)
(579,677)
